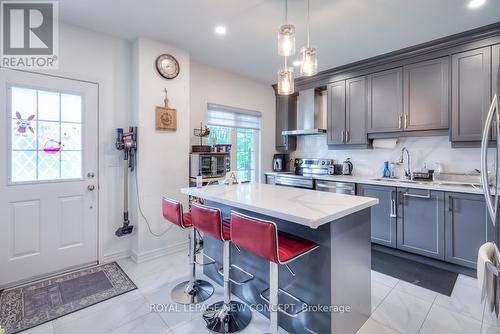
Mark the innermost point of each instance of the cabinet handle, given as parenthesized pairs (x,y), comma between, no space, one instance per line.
(428,196)
(347,137)
(342,136)
(393,206)
(400,121)
(450,204)
(406,121)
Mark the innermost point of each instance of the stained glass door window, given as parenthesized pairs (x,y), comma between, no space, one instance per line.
(45,135)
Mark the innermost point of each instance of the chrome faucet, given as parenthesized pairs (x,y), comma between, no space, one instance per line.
(401,160)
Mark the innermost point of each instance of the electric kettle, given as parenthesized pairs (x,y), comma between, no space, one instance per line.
(347,167)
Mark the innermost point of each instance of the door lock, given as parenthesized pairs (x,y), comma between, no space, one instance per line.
(91,187)
(90,175)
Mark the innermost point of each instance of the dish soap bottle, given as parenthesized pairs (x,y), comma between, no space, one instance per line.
(387,172)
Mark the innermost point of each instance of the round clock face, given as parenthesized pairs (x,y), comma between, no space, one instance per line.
(167,66)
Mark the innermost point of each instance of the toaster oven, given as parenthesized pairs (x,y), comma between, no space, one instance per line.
(214,164)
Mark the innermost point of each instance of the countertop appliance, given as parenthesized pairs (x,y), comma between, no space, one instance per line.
(280,162)
(209,165)
(317,167)
(336,187)
(347,167)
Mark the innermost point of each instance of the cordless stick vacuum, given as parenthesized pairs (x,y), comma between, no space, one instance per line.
(126,142)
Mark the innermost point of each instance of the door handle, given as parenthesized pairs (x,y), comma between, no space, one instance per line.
(91,187)
(428,196)
(393,206)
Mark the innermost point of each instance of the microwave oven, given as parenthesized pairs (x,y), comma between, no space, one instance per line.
(214,164)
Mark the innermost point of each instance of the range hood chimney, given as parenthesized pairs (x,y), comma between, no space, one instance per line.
(309,114)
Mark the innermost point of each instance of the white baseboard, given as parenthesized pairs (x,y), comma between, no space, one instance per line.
(159,252)
(115,256)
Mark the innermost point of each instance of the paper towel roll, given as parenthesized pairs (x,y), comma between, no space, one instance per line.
(385,143)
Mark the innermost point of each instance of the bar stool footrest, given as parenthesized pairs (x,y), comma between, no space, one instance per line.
(237,275)
(296,305)
(210,261)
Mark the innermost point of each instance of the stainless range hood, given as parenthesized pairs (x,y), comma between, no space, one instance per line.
(310,114)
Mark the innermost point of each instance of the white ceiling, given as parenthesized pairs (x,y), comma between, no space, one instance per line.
(342,30)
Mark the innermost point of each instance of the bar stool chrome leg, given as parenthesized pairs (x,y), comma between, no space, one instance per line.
(227,316)
(193,291)
(273,296)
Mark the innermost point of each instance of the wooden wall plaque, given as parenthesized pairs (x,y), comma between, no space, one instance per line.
(166,118)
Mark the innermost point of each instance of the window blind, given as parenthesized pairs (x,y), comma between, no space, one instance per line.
(231,117)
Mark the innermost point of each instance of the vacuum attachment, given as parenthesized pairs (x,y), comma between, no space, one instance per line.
(126,228)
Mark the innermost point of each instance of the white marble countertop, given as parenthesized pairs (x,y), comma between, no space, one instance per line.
(302,206)
(399,183)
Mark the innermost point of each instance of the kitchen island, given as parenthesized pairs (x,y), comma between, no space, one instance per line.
(334,281)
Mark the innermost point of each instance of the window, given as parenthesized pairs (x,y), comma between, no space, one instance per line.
(241,129)
(45,135)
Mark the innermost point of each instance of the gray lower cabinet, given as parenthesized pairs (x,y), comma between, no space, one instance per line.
(471,94)
(420,225)
(383,215)
(270,179)
(467,227)
(286,119)
(336,113)
(426,95)
(385,101)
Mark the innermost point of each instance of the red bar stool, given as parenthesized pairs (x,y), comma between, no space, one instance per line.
(225,316)
(193,291)
(262,238)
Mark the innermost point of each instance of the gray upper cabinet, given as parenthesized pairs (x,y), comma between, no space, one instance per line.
(467,227)
(336,113)
(355,128)
(385,101)
(426,95)
(420,225)
(383,215)
(286,119)
(471,94)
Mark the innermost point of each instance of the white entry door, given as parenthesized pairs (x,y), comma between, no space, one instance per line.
(48,175)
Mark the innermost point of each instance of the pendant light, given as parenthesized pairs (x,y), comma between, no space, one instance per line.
(285,80)
(286,36)
(309,61)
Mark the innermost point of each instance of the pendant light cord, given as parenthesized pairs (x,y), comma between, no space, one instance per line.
(308,5)
(286,11)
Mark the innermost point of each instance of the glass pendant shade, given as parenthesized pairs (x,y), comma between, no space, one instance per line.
(286,40)
(285,81)
(309,61)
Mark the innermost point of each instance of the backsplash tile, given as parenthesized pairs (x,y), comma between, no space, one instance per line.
(370,162)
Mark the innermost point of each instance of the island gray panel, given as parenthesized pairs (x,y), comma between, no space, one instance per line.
(344,247)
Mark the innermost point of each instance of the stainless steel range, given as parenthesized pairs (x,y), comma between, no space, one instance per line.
(305,169)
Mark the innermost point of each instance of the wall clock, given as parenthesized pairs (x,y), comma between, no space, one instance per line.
(167,66)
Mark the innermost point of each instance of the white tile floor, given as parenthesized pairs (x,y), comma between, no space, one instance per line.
(397,306)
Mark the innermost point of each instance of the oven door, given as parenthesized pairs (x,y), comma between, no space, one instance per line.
(336,187)
(206,165)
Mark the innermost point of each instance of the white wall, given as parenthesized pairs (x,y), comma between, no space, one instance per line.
(370,162)
(162,155)
(211,85)
(106,60)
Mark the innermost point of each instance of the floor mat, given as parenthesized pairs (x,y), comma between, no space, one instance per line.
(36,303)
(432,278)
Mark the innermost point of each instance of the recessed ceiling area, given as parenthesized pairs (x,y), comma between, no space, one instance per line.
(343,31)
